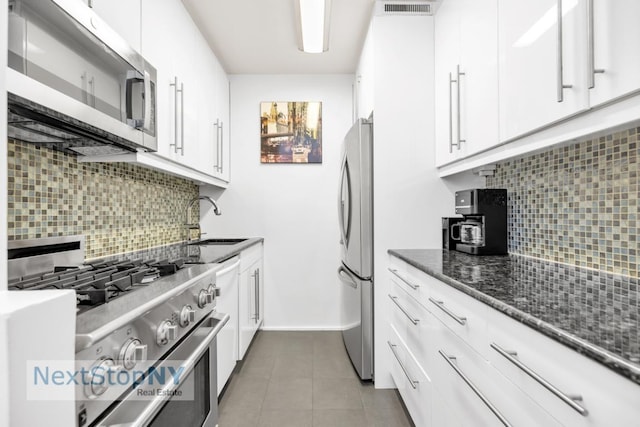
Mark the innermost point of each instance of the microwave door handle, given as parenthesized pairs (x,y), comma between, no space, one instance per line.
(147,102)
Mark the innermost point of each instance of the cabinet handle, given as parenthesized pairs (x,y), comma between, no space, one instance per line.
(411,285)
(569,400)
(90,3)
(85,89)
(591,50)
(459,82)
(395,300)
(221,147)
(219,166)
(181,119)
(216,166)
(175,114)
(561,85)
(441,306)
(414,383)
(256,290)
(451,143)
(92,83)
(449,360)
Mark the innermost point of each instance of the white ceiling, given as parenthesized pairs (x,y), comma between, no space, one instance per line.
(259,36)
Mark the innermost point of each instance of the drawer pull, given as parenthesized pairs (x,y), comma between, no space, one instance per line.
(395,300)
(411,285)
(406,373)
(569,400)
(441,306)
(449,360)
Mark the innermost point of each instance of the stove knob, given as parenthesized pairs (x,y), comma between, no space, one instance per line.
(167,331)
(204,298)
(132,352)
(214,290)
(100,377)
(187,315)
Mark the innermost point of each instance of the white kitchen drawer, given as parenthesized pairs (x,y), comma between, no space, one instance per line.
(414,324)
(409,278)
(609,398)
(413,383)
(462,314)
(472,408)
(397,358)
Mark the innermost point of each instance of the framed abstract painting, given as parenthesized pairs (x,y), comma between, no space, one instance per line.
(291,132)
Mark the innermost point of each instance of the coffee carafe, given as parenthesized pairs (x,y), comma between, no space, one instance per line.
(483,229)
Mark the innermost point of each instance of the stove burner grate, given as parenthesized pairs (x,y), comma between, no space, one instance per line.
(99,281)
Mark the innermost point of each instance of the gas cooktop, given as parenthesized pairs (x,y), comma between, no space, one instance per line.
(57,263)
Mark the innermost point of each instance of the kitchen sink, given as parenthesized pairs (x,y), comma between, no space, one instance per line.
(218,241)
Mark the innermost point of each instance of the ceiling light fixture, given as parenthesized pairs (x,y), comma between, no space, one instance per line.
(313,18)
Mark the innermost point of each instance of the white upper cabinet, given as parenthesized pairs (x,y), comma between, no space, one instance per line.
(192,93)
(160,46)
(220,124)
(466,73)
(615,68)
(542,63)
(121,15)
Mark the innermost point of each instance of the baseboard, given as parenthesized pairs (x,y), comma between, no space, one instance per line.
(301,328)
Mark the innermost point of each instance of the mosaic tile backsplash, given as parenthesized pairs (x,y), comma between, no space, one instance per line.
(577,204)
(119,207)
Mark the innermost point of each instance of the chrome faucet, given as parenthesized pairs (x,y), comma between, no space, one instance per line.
(190,226)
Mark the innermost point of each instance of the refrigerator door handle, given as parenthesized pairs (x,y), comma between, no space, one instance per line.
(346,277)
(344,228)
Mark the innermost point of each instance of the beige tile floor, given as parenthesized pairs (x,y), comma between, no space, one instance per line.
(302,379)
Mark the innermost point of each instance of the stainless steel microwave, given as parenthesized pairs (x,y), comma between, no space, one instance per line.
(74,84)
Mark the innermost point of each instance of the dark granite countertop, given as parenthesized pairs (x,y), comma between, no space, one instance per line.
(595,313)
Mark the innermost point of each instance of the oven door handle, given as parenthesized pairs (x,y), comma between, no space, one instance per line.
(150,411)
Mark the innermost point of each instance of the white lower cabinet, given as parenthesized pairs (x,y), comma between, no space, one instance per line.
(475,392)
(227,302)
(239,284)
(459,362)
(413,383)
(579,391)
(251,297)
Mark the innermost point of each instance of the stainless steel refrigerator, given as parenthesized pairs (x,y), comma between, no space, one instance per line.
(355,209)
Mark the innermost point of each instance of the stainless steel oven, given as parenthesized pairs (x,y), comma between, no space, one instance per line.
(188,401)
(146,331)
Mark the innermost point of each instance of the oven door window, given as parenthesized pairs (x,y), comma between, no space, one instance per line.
(189,413)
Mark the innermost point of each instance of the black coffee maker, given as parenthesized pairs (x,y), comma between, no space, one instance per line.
(483,228)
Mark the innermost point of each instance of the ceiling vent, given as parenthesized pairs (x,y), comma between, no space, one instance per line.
(406,8)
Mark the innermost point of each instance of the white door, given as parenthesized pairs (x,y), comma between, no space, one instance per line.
(615,69)
(542,76)
(447,58)
(478,85)
(158,47)
(227,279)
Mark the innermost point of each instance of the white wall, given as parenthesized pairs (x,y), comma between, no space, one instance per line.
(409,197)
(4,344)
(3,151)
(293,206)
